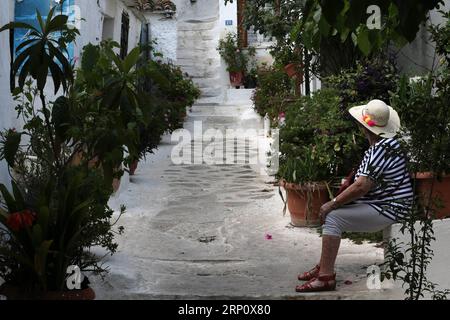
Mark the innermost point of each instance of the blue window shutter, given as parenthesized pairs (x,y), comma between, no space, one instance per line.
(25,11)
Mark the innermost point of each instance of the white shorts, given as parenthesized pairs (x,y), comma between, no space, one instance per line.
(358,217)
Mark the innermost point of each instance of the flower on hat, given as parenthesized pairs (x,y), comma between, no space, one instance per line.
(368,120)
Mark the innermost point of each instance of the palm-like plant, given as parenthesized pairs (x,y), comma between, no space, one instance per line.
(43,53)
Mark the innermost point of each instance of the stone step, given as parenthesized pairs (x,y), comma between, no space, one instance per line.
(223,110)
(239,96)
(197,25)
(211,92)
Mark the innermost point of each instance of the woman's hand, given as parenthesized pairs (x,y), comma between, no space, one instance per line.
(325,209)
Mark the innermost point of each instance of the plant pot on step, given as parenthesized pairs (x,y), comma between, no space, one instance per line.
(133,167)
(441,191)
(304,202)
(236,78)
(291,69)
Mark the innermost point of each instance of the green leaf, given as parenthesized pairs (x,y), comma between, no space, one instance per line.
(20,201)
(58,23)
(36,235)
(18,25)
(363,41)
(9,200)
(131,59)
(90,57)
(10,147)
(40,257)
(41,22)
(43,219)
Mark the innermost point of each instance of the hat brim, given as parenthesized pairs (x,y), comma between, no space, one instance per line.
(388,131)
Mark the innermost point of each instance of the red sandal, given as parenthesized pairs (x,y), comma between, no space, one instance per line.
(321,283)
(311,274)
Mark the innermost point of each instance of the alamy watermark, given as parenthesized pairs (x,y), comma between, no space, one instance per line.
(228,146)
(75,278)
(374,19)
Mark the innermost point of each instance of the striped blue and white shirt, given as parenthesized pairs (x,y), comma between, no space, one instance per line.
(385,164)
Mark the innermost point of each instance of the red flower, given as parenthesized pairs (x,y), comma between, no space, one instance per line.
(19,220)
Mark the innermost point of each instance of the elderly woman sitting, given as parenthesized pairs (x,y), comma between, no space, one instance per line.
(380,195)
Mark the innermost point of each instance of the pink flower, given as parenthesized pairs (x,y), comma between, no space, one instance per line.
(268,236)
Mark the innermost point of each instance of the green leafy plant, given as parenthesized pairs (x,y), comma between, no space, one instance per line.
(44,52)
(317,130)
(371,78)
(272,94)
(423,107)
(236,59)
(59,207)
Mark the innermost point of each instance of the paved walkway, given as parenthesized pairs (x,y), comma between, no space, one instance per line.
(200,231)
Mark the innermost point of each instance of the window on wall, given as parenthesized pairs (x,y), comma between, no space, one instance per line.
(125,29)
(25,11)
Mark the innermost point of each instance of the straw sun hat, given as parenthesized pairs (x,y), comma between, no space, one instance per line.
(377,117)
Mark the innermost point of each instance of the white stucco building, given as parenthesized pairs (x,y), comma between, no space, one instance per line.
(119,20)
(186,32)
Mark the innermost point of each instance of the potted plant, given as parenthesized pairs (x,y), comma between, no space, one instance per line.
(167,93)
(306,191)
(318,146)
(422,103)
(235,58)
(58,208)
(291,69)
(423,107)
(272,93)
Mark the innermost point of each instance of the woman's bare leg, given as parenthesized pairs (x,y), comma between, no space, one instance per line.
(330,248)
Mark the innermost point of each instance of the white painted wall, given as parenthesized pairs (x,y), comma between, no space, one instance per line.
(227,12)
(164,31)
(91,32)
(417,57)
(439,268)
(92,27)
(7,112)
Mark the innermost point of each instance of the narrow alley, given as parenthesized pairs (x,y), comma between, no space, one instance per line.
(217,231)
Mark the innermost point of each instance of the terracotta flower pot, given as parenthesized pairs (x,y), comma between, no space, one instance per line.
(441,191)
(236,78)
(133,167)
(304,202)
(14,293)
(291,69)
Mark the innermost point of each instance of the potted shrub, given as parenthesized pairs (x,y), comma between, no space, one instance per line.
(236,59)
(272,95)
(423,107)
(58,209)
(167,93)
(291,69)
(306,190)
(318,146)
